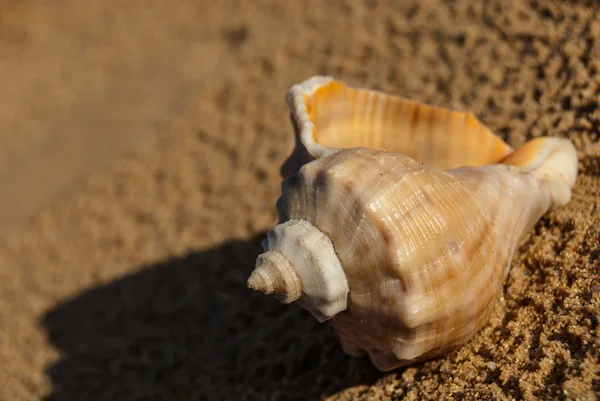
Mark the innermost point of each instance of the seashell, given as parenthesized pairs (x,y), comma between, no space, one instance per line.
(398,221)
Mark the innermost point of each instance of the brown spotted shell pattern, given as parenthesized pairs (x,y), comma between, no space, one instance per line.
(398,220)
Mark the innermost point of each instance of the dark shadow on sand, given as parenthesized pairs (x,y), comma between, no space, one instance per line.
(189,329)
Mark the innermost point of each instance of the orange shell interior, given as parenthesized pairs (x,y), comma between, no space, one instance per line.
(345,117)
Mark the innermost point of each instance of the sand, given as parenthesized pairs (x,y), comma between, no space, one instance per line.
(139,152)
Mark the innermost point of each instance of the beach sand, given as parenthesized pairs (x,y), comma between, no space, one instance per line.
(140,146)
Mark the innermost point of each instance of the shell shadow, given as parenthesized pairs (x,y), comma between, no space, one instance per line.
(187,328)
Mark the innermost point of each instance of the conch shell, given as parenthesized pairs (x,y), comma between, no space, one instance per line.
(398,220)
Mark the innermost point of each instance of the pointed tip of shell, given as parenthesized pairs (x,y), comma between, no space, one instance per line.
(257,282)
(553,161)
(275,275)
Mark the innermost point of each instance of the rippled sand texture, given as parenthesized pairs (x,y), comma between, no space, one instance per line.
(143,141)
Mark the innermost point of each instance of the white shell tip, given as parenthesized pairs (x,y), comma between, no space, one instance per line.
(301,264)
(274,275)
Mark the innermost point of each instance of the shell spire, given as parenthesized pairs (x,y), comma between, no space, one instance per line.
(300,263)
(275,275)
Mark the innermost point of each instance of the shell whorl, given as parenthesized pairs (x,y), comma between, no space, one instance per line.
(300,263)
(274,274)
(425,252)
